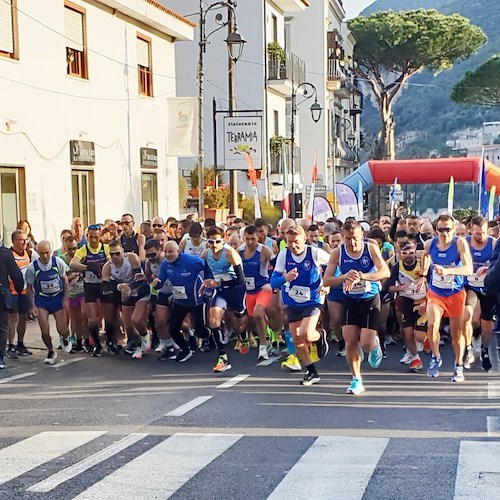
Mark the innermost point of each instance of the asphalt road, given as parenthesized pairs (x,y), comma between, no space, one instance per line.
(114,427)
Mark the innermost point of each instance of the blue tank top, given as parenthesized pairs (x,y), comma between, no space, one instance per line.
(48,283)
(364,264)
(256,274)
(303,291)
(445,285)
(221,269)
(480,258)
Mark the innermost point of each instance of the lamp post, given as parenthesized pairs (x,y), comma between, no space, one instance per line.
(308,91)
(235,43)
(351,140)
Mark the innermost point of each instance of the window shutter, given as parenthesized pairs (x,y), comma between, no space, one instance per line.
(6,32)
(142,52)
(73,29)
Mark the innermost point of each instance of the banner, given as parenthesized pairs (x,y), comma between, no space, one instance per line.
(242,136)
(491,203)
(322,209)
(253,180)
(310,201)
(451,194)
(361,208)
(483,193)
(182,134)
(347,202)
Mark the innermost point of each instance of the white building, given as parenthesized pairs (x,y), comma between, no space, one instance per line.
(83,111)
(491,152)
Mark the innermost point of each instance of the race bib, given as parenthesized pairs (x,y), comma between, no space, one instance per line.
(360,287)
(475,280)
(300,294)
(180,293)
(90,277)
(76,288)
(250,284)
(443,282)
(223,277)
(411,292)
(50,287)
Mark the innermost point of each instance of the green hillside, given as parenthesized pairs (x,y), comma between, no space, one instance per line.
(425,105)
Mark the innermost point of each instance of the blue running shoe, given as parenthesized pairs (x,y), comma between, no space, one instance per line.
(433,370)
(375,356)
(356,387)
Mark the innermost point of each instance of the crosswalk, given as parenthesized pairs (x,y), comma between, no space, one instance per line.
(98,465)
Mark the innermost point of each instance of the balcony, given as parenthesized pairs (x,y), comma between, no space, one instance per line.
(291,5)
(283,72)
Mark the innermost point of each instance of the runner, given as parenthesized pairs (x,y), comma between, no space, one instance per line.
(298,273)
(194,243)
(131,241)
(448,259)
(47,281)
(362,268)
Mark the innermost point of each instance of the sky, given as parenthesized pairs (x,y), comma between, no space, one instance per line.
(354,7)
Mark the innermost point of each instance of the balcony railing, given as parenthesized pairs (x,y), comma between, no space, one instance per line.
(335,70)
(292,68)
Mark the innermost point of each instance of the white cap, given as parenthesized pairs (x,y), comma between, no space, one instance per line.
(365,226)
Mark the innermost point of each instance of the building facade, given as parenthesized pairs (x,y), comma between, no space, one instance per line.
(83,111)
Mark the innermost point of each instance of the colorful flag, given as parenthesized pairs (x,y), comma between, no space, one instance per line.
(483,193)
(310,201)
(491,203)
(451,194)
(361,209)
(253,180)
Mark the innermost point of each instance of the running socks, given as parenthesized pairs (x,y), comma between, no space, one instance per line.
(289,342)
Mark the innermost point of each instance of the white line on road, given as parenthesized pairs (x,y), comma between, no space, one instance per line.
(355,460)
(16,377)
(233,381)
(493,426)
(182,410)
(176,459)
(493,390)
(74,470)
(64,362)
(267,362)
(478,470)
(30,453)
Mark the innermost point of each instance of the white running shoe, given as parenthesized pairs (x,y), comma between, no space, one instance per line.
(67,346)
(162,346)
(145,343)
(420,346)
(407,358)
(263,354)
(137,353)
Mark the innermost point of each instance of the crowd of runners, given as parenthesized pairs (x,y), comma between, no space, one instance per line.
(181,287)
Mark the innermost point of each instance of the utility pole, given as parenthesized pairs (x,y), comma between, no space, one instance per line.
(201,173)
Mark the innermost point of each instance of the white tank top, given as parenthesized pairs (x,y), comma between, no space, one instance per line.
(191,249)
(123,274)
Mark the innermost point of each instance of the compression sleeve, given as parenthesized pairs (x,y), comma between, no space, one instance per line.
(239,280)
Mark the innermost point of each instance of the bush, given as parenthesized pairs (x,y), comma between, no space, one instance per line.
(270,213)
(216,198)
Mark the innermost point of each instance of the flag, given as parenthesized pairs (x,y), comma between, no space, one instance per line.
(491,203)
(253,179)
(451,194)
(182,137)
(310,202)
(360,200)
(483,193)
(285,204)
(393,194)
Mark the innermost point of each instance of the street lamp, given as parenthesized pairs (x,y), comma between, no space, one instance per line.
(308,91)
(235,43)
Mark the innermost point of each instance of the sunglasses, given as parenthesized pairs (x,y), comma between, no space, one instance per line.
(406,252)
(72,249)
(127,222)
(213,242)
(151,255)
(157,225)
(114,253)
(94,227)
(445,229)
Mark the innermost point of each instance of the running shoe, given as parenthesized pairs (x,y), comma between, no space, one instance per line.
(406,359)
(434,364)
(263,354)
(145,343)
(313,353)
(420,346)
(389,340)
(322,344)
(112,348)
(87,345)
(96,351)
(67,345)
(193,344)
(252,341)
(183,356)
(458,374)
(341,353)
(2,363)
(375,356)
(78,347)
(72,339)
(356,387)
(161,346)
(416,364)
(51,358)
(60,342)
(11,352)
(291,363)
(130,347)
(222,364)
(476,346)
(244,344)
(310,378)
(274,350)
(168,353)
(469,357)
(137,353)
(22,350)
(205,345)
(485,360)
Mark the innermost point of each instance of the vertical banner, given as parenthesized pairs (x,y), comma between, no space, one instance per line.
(253,180)
(393,195)
(242,136)
(361,208)
(483,193)
(285,204)
(182,133)
(310,201)
(451,194)
(347,202)
(491,203)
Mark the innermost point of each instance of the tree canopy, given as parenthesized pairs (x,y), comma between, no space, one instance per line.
(481,87)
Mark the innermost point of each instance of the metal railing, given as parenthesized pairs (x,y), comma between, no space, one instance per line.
(292,68)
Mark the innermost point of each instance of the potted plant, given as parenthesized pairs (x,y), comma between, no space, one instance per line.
(276,144)
(217,202)
(277,56)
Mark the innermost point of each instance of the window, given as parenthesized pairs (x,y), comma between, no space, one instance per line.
(274,28)
(74,32)
(12,199)
(82,188)
(8,29)
(276,122)
(149,189)
(144,66)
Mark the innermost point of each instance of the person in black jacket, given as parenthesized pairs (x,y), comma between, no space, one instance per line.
(8,271)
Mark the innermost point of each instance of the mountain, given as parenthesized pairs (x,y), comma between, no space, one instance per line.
(424,110)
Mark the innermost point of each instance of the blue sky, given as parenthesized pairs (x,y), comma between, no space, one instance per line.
(354,7)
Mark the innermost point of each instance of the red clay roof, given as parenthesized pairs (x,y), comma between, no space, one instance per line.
(172,13)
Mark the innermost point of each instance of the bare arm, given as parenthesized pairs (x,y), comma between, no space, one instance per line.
(382,271)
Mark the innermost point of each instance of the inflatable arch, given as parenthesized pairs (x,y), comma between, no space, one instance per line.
(432,171)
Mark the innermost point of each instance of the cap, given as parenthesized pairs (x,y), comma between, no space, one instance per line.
(364,226)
